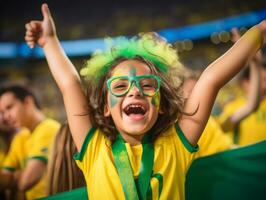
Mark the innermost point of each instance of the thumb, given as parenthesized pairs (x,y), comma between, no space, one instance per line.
(45,11)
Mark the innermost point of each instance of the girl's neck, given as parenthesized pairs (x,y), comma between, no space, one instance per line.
(133,140)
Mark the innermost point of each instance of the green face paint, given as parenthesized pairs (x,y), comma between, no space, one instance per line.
(132,71)
(113,100)
(156,100)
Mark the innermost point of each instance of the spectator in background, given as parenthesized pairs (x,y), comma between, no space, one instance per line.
(25,164)
(6,135)
(213,139)
(63,173)
(245,117)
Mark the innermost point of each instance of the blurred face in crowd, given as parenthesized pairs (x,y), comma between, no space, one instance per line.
(13,110)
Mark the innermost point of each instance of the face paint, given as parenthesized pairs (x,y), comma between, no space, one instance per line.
(156,100)
(113,100)
(132,71)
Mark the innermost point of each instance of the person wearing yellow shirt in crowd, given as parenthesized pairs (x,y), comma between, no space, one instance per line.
(213,139)
(6,135)
(26,162)
(245,117)
(251,129)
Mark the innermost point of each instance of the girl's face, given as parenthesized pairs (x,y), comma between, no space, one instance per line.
(134,113)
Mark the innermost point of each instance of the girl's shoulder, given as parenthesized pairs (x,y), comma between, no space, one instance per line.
(175,136)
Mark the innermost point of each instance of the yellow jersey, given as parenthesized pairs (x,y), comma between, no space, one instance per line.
(26,145)
(250,130)
(213,139)
(172,157)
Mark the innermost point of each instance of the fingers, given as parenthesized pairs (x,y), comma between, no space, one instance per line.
(38,31)
(45,12)
(33,30)
(234,30)
(235,34)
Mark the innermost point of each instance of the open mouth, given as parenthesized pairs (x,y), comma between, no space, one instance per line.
(135,109)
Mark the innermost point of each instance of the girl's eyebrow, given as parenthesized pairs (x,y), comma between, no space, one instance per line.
(118,74)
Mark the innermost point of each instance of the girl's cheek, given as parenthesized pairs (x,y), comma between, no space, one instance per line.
(113,100)
(155,101)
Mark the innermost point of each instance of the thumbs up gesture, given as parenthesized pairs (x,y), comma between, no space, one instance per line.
(38,32)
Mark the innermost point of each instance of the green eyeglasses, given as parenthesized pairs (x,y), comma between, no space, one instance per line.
(148,85)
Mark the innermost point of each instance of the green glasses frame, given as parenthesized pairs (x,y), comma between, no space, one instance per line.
(136,80)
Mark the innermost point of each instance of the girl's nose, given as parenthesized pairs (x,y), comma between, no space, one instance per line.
(134,90)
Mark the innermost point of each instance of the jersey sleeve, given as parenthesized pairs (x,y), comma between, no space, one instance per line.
(213,139)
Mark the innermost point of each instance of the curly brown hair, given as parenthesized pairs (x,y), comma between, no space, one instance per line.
(171,100)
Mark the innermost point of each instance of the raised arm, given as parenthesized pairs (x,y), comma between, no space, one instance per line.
(43,33)
(214,77)
(253,97)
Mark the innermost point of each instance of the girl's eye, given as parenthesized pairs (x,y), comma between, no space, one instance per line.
(147,86)
(120,86)
(148,83)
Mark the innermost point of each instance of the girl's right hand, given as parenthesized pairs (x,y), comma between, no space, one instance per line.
(39,32)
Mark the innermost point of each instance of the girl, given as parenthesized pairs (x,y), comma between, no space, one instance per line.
(134,136)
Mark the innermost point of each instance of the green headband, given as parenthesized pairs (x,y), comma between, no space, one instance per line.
(149,46)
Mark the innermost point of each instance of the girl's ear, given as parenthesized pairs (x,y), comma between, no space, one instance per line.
(107,112)
(161,111)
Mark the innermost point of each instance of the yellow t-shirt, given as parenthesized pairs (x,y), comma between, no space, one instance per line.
(172,158)
(35,145)
(252,129)
(213,139)
(15,159)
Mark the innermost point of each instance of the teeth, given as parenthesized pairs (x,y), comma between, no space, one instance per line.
(135,108)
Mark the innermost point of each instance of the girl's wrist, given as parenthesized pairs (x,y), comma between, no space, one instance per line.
(50,41)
